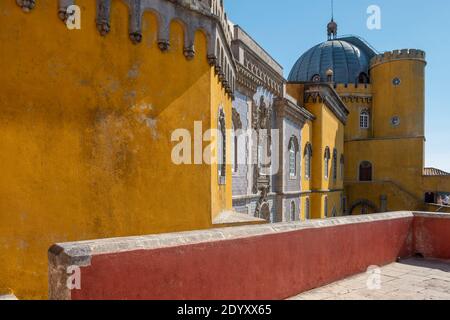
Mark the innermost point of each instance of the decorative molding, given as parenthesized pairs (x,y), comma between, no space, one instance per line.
(223,131)
(237,123)
(26,5)
(209,17)
(62,9)
(324,93)
(103,16)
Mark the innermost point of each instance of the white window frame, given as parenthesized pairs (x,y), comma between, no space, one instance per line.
(364,119)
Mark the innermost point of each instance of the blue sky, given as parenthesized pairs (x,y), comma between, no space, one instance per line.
(287,28)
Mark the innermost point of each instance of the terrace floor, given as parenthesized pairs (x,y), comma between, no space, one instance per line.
(411,279)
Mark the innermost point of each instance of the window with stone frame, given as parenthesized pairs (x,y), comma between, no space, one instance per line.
(307,209)
(365,171)
(334,169)
(221,148)
(293,211)
(293,149)
(327,162)
(308,159)
(364,119)
(237,127)
(325,206)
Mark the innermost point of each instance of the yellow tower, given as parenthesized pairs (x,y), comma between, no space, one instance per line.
(398,84)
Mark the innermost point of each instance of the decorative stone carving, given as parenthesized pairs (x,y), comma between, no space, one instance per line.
(62,10)
(164,45)
(237,123)
(26,5)
(136,37)
(262,207)
(207,16)
(189,52)
(223,147)
(103,16)
(212,60)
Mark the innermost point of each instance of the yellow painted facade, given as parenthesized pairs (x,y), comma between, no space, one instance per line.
(323,189)
(86,124)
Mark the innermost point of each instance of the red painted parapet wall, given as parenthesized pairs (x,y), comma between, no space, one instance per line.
(255,262)
(432,235)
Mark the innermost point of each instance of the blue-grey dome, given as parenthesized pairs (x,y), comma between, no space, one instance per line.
(348,58)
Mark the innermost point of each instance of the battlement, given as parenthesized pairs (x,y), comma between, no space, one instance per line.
(353,87)
(407,54)
(206,16)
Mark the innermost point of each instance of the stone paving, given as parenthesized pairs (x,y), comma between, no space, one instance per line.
(412,279)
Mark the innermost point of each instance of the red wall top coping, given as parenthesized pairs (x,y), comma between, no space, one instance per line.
(82,251)
(61,256)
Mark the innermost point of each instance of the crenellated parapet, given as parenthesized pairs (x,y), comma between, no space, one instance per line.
(206,16)
(404,54)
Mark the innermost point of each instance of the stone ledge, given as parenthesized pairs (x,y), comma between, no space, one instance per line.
(83,250)
(231,217)
(436,215)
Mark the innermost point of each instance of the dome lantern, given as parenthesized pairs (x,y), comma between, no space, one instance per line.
(332,29)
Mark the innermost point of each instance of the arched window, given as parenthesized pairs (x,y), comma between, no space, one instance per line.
(363,78)
(365,171)
(364,119)
(293,212)
(308,158)
(342,169)
(307,208)
(235,151)
(325,206)
(237,127)
(327,162)
(335,155)
(221,148)
(293,149)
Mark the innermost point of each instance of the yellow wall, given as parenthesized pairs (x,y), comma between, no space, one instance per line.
(221,195)
(396,152)
(356,98)
(407,100)
(86,124)
(397,173)
(325,131)
(306,138)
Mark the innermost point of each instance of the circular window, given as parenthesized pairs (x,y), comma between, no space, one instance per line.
(316,78)
(395,121)
(396,81)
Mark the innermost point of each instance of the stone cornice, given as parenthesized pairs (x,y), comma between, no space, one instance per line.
(324,93)
(286,108)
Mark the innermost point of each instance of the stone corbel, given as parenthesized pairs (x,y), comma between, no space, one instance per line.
(62,10)
(135,21)
(164,45)
(103,16)
(212,60)
(189,40)
(26,5)
(189,52)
